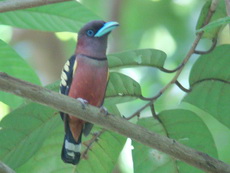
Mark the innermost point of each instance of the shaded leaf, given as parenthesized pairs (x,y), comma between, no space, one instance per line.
(213,97)
(141,57)
(23,131)
(12,64)
(148,160)
(65,16)
(101,158)
(212,66)
(187,128)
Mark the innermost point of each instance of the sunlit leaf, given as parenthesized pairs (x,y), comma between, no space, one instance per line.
(141,57)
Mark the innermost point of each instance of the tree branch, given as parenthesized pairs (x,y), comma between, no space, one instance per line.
(11,5)
(5,169)
(114,123)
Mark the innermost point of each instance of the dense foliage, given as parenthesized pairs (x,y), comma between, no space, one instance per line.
(31,135)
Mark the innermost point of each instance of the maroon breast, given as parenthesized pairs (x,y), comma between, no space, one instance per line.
(90,81)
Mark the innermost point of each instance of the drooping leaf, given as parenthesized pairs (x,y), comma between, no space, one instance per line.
(65,16)
(187,128)
(220,12)
(12,64)
(102,156)
(121,88)
(148,160)
(23,131)
(141,57)
(212,66)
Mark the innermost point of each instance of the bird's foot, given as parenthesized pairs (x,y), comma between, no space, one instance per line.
(83,102)
(104,111)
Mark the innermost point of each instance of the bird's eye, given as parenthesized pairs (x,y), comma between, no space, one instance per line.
(90,33)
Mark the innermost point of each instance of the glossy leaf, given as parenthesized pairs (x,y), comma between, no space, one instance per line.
(65,16)
(121,88)
(141,57)
(12,64)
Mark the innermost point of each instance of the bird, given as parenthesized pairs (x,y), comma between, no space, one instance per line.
(85,77)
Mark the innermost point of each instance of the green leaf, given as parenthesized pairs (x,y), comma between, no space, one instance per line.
(12,64)
(121,88)
(213,97)
(23,131)
(187,128)
(65,16)
(141,57)
(212,66)
(220,12)
(215,24)
(101,158)
(148,160)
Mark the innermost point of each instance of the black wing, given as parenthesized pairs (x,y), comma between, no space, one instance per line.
(66,78)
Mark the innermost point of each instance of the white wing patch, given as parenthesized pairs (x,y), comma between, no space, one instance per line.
(63,74)
(72,147)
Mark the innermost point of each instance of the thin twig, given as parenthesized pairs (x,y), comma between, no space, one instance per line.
(12,5)
(171,71)
(184,62)
(214,42)
(182,87)
(90,142)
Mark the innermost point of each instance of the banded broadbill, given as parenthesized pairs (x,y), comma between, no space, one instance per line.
(85,77)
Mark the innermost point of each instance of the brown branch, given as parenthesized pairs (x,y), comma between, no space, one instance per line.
(214,42)
(5,169)
(11,5)
(182,87)
(114,123)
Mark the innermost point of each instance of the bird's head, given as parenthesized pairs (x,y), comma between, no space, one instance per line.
(92,38)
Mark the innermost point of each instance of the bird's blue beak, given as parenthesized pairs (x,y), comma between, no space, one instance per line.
(109,26)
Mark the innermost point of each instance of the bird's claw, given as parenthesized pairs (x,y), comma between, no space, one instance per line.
(83,102)
(104,111)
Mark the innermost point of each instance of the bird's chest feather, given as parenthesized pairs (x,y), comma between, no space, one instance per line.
(90,81)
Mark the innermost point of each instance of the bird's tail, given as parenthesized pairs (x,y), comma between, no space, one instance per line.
(71,149)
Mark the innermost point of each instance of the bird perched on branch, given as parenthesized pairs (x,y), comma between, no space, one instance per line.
(85,77)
